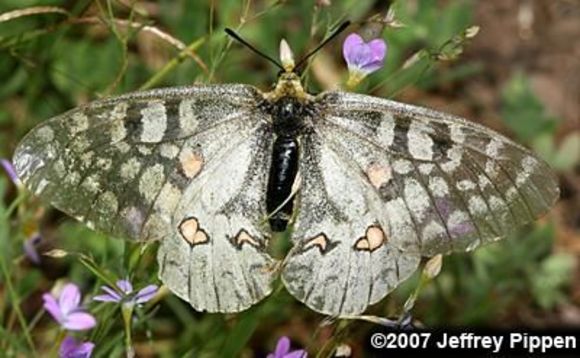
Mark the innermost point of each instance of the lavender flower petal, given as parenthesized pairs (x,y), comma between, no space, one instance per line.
(301,353)
(9,168)
(52,307)
(375,56)
(79,321)
(114,294)
(69,299)
(351,44)
(146,293)
(125,286)
(378,49)
(363,58)
(71,349)
(67,346)
(29,248)
(127,294)
(282,347)
(84,350)
(106,298)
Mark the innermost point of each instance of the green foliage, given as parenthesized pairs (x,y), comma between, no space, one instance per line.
(523,112)
(525,115)
(429,33)
(477,288)
(551,280)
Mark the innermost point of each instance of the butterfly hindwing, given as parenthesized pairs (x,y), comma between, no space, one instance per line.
(146,166)
(215,257)
(343,259)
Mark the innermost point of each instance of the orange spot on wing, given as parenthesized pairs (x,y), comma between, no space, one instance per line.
(374,238)
(191,164)
(379,175)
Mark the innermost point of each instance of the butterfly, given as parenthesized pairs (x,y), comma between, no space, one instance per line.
(367,186)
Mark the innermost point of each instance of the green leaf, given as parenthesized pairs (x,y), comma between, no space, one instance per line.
(241,333)
(549,282)
(523,112)
(568,155)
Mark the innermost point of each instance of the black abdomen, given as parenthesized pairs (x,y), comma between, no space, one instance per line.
(283,172)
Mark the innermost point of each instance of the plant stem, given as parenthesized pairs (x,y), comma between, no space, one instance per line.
(15,304)
(57,342)
(127,311)
(172,64)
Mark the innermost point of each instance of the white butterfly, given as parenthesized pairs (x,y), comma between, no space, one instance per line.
(212,171)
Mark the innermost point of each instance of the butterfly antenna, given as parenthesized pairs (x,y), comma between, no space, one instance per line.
(248,45)
(336,32)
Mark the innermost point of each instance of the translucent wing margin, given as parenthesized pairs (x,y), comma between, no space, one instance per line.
(134,166)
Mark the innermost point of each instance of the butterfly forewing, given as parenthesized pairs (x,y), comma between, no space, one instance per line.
(146,166)
(385,183)
(461,184)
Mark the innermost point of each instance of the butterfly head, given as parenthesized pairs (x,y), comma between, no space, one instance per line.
(288,83)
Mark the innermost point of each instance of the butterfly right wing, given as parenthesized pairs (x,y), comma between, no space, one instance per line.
(343,258)
(384,183)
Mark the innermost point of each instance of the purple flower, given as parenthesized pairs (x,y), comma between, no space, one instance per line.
(363,57)
(72,349)
(29,248)
(9,168)
(124,293)
(67,311)
(283,350)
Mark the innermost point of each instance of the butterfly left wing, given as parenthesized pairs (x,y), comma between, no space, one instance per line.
(384,183)
(184,166)
(215,256)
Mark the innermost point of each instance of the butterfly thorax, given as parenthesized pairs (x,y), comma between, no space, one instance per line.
(288,84)
(289,116)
